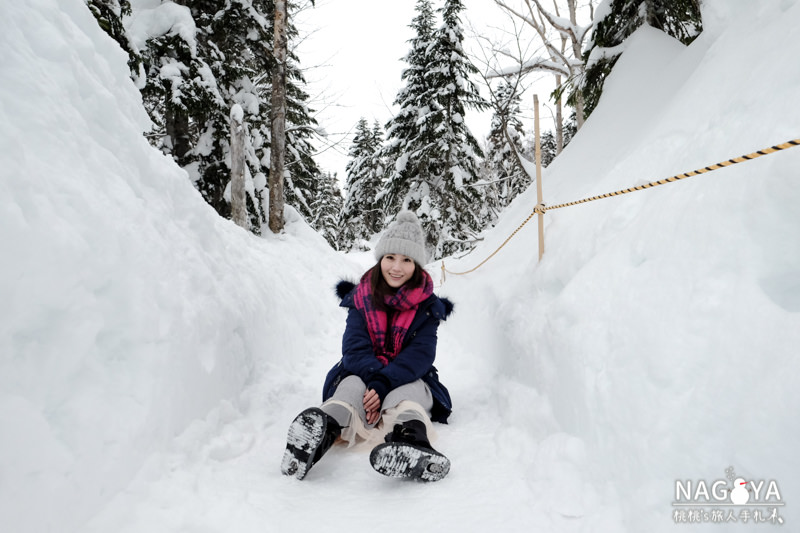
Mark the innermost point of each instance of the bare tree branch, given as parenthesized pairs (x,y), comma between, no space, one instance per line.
(560,64)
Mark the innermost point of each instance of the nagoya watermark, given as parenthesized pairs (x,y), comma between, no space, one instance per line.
(731,500)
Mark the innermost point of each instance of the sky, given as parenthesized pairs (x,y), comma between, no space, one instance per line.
(355,52)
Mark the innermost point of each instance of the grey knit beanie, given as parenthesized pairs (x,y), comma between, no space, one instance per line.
(403,237)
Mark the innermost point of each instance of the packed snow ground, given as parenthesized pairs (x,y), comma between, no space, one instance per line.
(152,355)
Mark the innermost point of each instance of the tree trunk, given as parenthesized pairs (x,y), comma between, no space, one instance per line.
(238,207)
(177,125)
(559,120)
(576,50)
(559,105)
(278,120)
(650,15)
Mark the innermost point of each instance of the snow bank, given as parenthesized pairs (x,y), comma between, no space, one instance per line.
(661,327)
(128,307)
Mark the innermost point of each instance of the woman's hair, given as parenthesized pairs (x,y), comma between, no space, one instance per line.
(381,289)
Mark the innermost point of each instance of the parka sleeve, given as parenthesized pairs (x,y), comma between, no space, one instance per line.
(358,357)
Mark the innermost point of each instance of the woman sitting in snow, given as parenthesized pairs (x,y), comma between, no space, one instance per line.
(386,378)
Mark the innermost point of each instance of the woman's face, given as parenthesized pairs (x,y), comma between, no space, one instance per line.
(397,269)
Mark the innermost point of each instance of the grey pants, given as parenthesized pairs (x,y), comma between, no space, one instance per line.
(351,391)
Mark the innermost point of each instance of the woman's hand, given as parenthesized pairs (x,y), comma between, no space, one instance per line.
(372,405)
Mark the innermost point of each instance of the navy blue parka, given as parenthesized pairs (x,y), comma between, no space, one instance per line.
(415,360)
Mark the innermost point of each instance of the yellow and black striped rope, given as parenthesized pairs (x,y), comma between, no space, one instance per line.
(541,208)
(723,164)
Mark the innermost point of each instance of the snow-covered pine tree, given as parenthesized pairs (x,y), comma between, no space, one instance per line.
(109,15)
(409,136)
(326,207)
(193,79)
(379,164)
(457,210)
(300,185)
(379,168)
(234,39)
(506,135)
(549,146)
(430,153)
(180,94)
(616,20)
(362,215)
(549,143)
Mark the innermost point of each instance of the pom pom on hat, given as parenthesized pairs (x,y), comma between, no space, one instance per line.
(405,237)
(407,216)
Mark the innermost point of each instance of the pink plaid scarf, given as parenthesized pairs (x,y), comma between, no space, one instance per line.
(404,303)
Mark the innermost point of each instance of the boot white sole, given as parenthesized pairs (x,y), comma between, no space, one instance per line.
(403,460)
(306,433)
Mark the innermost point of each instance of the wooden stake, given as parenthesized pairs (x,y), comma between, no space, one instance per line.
(538,156)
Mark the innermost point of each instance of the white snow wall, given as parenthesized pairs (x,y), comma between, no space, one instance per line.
(662,327)
(114,273)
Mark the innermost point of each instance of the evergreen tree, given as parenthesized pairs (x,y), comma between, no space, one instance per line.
(179,94)
(679,18)
(409,134)
(508,178)
(549,145)
(433,156)
(234,38)
(377,140)
(379,165)
(462,211)
(548,142)
(326,208)
(194,79)
(361,215)
(109,15)
(300,185)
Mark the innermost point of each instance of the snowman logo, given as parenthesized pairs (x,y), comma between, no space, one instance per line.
(740,495)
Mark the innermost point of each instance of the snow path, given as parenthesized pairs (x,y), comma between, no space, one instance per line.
(223,474)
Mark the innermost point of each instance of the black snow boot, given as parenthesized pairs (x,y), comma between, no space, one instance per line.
(311,434)
(407,453)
